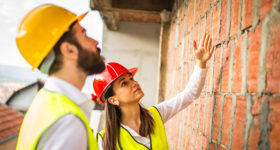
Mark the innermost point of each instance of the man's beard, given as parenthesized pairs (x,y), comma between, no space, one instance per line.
(90,62)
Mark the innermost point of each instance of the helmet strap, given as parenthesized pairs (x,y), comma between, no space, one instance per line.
(47,63)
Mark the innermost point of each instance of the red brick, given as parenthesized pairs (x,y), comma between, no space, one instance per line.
(223,21)
(181,129)
(204,24)
(273,63)
(186,20)
(215,24)
(186,48)
(171,37)
(212,146)
(191,68)
(226,120)
(208,24)
(191,15)
(217,69)
(247,17)
(274,119)
(125,16)
(204,142)
(266,6)
(192,140)
(186,127)
(152,18)
(254,130)
(195,120)
(212,2)
(253,66)
(139,17)
(201,8)
(256,106)
(191,117)
(239,123)
(181,31)
(198,141)
(201,113)
(170,27)
(201,29)
(177,57)
(10,121)
(178,81)
(189,137)
(182,13)
(171,59)
(188,71)
(225,71)
(221,148)
(216,117)
(176,130)
(168,85)
(206,5)
(234,17)
(237,72)
(254,134)
(196,33)
(184,138)
(207,82)
(184,78)
(208,115)
(197,16)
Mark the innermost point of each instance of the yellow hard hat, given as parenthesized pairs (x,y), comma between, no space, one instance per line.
(41,29)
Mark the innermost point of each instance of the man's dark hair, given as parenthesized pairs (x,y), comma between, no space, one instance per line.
(68,36)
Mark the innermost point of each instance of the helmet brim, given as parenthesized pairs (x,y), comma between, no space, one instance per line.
(81,17)
(132,71)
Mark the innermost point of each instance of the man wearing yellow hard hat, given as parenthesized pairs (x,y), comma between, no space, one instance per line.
(51,39)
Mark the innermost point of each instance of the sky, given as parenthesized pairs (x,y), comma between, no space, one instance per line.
(12,11)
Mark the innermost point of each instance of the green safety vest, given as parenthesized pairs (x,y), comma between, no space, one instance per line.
(158,137)
(47,108)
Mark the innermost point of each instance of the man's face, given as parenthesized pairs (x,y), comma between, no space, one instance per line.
(90,60)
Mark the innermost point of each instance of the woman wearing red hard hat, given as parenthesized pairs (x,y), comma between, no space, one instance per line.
(128,124)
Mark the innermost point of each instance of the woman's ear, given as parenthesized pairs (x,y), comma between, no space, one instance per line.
(69,50)
(113,100)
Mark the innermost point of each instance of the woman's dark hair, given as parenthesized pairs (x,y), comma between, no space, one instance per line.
(113,123)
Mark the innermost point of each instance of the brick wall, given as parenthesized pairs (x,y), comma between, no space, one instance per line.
(239,107)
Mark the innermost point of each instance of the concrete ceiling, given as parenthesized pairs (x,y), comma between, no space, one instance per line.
(113,11)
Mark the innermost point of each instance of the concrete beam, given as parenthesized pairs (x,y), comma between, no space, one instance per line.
(150,5)
(100,4)
(111,19)
(113,11)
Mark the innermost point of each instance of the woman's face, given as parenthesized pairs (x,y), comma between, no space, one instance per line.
(127,90)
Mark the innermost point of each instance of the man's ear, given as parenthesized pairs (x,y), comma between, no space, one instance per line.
(69,50)
(113,100)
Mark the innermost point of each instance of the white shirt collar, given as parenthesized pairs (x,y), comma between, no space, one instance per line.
(62,87)
(131,131)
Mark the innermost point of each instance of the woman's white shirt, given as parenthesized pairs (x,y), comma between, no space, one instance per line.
(169,108)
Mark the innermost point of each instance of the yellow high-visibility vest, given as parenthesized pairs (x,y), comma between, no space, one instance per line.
(46,108)
(157,138)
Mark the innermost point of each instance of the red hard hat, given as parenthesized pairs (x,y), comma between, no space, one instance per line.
(102,81)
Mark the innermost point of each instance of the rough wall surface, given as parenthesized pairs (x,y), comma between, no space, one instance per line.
(129,46)
(239,107)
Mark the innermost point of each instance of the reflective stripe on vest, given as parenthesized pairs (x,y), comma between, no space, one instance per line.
(158,138)
(46,108)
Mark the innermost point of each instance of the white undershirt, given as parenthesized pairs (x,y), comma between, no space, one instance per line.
(169,108)
(69,131)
